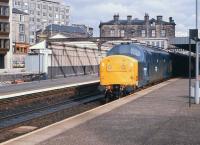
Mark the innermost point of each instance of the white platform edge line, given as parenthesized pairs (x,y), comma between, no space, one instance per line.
(46,89)
(150,89)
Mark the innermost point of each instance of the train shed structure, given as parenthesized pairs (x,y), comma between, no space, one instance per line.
(182,43)
(62,57)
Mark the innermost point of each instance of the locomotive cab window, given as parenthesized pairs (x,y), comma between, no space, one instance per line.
(128,50)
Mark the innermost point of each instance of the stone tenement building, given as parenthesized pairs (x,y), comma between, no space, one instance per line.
(20,31)
(133,28)
(43,13)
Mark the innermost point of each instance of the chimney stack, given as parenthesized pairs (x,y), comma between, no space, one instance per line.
(159,18)
(171,20)
(116,17)
(129,18)
(146,17)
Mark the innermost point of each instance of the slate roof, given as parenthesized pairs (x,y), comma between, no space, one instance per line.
(67,29)
(16,11)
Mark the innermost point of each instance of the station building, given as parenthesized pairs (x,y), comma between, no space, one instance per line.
(153,31)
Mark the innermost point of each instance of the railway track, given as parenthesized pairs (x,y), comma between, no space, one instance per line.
(10,121)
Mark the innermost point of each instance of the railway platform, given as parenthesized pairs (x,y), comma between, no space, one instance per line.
(157,115)
(16,90)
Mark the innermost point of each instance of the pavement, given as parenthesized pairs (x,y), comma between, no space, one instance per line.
(44,84)
(158,115)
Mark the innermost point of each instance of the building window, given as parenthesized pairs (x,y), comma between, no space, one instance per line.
(21,37)
(44,7)
(38,13)
(21,28)
(16,3)
(1,43)
(112,33)
(122,33)
(163,33)
(62,16)
(158,44)
(32,6)
(44,14)
(32,19)
(7,43)
(4,11)
(32,33)
(56,16)
(1,27)
(56,9)
(31,12)
(38,20)
(50,8)
(32,40)
(21,18)
(38,6)
(50,15)
(67,10)
(7,27)
(153,33)
(143,33)
(162,44)
(4,27)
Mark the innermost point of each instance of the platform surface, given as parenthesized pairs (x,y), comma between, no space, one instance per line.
(36,85)
(156,116)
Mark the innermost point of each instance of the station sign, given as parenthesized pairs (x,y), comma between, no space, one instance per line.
(46,51)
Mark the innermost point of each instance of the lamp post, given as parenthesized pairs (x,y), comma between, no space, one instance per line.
(197,60)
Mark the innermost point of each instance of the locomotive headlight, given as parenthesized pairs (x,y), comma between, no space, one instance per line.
(102,64)
(109,67)
(123,67)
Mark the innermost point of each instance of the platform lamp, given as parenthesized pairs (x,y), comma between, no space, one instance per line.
(193,35)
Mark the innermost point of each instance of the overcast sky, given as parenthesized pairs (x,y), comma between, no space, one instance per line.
(91,12)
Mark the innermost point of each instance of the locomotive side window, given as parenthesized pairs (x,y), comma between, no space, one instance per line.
(135,52)
(128,50)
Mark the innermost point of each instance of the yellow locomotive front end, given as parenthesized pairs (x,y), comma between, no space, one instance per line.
(119,70)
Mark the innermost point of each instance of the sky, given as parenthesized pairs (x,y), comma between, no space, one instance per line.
(92,12)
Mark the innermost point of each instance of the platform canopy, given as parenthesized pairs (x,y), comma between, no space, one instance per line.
(183,43)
